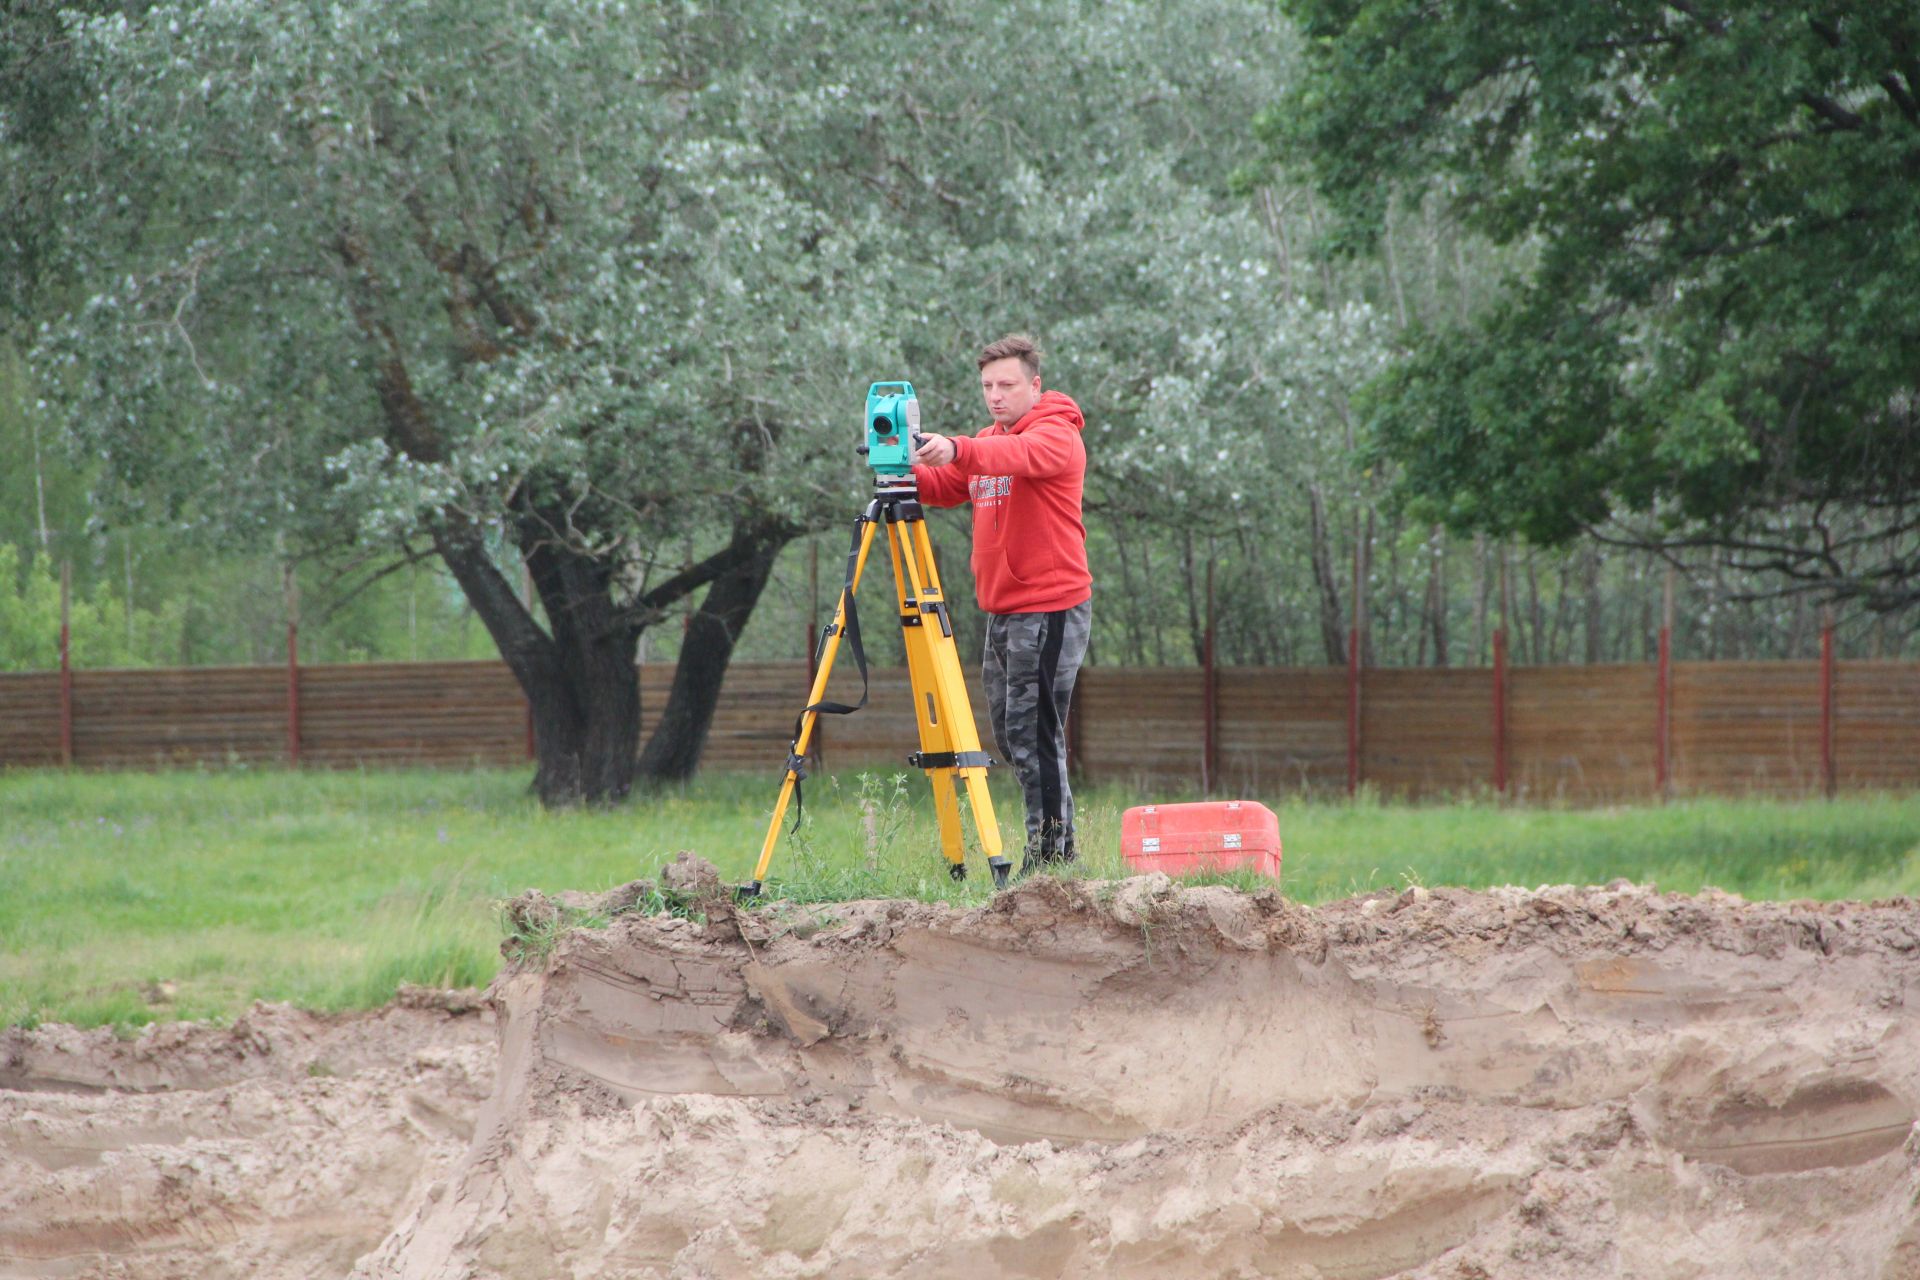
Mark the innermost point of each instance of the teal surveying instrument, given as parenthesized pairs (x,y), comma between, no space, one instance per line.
(950,752)
(893,428)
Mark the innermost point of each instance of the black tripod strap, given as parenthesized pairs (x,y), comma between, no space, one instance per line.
(850,613)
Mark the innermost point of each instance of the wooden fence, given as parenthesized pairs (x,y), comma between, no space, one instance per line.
(1576,733)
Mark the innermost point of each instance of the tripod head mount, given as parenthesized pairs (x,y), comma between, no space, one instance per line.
(893,429)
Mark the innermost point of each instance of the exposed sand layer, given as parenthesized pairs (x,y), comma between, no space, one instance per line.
(284,1146)
(1078,1079)
(1138,1080)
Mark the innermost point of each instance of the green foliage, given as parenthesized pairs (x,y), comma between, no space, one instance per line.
(43,99)
(352,216)
(105,632)
(641,291)
(646,325)
(1708,334)
(884,813)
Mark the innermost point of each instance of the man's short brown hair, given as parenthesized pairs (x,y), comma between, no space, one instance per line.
(1014,344)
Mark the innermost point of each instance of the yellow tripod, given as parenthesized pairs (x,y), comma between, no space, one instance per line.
(949,740)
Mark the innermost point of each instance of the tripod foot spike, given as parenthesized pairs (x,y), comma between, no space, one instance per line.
(1001,868)
(958,871)
(747,892)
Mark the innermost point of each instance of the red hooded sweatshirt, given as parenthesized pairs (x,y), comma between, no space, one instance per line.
(1029,545)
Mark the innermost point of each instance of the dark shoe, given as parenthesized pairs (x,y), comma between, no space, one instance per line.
(1036,860)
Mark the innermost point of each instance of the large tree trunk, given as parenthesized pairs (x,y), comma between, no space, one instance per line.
(673,751)
(586,719)
(579,674)
(580,681)
(586,725)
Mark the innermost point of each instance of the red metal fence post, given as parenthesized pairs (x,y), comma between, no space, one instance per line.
(1827,776)
(1500,710)
(66,662)
(1353,712)
(1663,699)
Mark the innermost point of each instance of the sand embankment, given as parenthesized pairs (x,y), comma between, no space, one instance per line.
(1082,1079)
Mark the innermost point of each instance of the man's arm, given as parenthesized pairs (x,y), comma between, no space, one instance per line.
(1046,448)
(941,486)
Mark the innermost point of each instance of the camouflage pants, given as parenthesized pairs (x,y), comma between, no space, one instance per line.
(1029,668)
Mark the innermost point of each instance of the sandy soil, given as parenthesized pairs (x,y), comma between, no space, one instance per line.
(1078,1079)
(286,1145)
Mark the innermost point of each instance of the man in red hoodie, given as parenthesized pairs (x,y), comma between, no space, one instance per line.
(1023,473)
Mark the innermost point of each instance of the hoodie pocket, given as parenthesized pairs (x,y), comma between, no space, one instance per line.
(1029,560)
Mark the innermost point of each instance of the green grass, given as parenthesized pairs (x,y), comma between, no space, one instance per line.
(329,889)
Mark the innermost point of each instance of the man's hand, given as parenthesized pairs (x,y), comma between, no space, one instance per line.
(934,451)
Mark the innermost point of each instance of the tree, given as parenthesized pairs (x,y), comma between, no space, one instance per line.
(490,282)
(1705,338)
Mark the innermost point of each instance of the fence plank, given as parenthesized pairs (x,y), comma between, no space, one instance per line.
(30,718)
(1876,724)
(1280,726)
(1426,731)
(1142,722)
(443,713)
(1746,726)
(1583,733)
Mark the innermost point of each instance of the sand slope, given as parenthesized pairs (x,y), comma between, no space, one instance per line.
(1083,1079)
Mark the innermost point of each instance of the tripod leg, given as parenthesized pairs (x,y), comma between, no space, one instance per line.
(946,803)
(985,825)
(922,633)
(941,703)
(829,649)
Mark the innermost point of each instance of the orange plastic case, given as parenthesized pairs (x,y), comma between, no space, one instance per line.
(1214,835)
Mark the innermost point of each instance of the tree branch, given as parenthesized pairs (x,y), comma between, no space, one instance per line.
(408,558)
(1902,96)
(1717,26)
(747,539)
(1830,110)
(408,424)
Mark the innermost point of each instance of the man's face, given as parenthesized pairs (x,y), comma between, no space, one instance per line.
(1009,391)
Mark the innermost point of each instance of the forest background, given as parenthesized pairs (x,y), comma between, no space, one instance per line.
(351,310)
